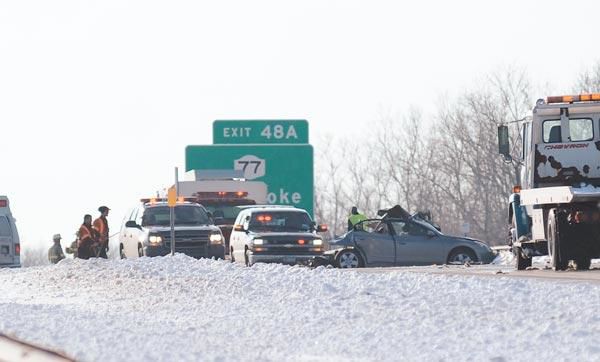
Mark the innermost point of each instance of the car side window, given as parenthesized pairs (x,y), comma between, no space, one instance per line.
(400,228)
(416,229)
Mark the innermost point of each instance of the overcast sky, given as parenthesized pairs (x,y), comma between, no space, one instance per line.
(98,99)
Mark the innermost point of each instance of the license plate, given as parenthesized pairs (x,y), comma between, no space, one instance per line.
(288,259)
(4,250)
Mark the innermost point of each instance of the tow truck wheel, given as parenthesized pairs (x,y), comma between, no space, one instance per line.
(583,263)
(521,263)
(348,259)
(555,249)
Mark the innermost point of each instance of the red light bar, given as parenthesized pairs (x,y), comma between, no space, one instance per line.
(574,98)
(3,203)
(263,218)
(221,194)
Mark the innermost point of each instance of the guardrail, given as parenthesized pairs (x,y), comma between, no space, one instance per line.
(12,349)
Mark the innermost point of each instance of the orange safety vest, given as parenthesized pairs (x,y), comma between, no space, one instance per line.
(85,233)
(101,227)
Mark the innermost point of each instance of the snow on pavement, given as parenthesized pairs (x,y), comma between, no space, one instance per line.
(179,308)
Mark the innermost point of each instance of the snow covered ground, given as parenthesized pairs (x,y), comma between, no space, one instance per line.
(179,308)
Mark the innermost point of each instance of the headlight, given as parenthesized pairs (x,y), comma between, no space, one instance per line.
(258,242)
(317,242)
(216,238)
(155,239)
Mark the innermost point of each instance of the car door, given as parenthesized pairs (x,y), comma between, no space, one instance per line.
(131,236)
(6,241)
(416,244)
(375,240)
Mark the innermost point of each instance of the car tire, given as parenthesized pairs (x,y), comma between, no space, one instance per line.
(462,256)
(555,249)
(140,250)
(583,263)
(231,257)
(521,262)
(348,258)
(122,252)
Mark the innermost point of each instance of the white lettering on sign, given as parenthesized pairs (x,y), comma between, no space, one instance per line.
(283,197)
(236,132)
(252,166)
(279,132)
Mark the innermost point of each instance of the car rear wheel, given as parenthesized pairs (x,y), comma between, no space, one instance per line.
(462,256)
(348,259)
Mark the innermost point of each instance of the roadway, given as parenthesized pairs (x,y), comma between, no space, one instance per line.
(539,270)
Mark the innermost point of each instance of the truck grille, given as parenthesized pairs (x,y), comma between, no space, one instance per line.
(187,237)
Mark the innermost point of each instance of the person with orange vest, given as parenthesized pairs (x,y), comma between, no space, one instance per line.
(101,227)
(86,239)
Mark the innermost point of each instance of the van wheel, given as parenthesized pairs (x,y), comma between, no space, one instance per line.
(231,257)
(247,258)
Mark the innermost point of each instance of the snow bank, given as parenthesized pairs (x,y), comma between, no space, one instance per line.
(179,308)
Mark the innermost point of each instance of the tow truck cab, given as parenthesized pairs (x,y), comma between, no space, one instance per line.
(220,192)
(10,246)
(555,207)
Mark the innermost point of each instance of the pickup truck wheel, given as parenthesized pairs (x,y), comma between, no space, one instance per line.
(140,250)
(583,263)
(122,252)
(231,257)
(348,259)
(247,258)
(555,249)
(521,263)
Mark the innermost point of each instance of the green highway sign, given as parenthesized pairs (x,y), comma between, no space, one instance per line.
(260,131)
(286,169)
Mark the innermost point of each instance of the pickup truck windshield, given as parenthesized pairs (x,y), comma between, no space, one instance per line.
(184,215)
(280,221)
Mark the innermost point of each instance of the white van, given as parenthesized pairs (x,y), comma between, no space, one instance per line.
(10,246)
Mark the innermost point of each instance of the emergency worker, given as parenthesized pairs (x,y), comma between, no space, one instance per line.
(100,225)
(354,218)
(55,253)
(87,241)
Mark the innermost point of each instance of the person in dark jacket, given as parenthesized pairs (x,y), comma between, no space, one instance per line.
(86,239)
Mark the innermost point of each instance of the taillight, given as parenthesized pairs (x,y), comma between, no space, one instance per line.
(3,203)
(17,249)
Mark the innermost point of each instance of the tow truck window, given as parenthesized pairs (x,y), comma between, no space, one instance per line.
(184,215)
(552,131)
(581,129)
(280,221)
(5,227)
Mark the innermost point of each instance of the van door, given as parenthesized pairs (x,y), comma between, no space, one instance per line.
(6,242)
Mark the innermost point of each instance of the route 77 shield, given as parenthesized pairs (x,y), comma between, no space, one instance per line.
(252,166)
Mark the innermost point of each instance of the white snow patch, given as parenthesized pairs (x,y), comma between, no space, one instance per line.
(182,309)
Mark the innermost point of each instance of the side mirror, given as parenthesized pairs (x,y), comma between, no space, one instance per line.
(503,143)
(238,227)
(132,224)
(322,228)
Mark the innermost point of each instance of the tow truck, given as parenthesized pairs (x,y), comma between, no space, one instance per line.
(220,191)
(554,208)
